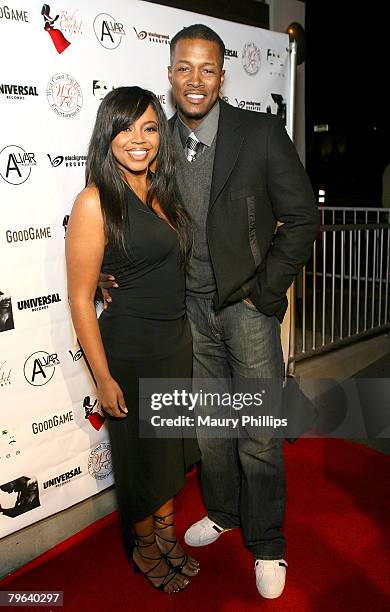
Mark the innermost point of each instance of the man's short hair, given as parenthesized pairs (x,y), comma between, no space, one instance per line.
(199,30)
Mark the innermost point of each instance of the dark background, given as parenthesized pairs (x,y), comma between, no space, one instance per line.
(347,74)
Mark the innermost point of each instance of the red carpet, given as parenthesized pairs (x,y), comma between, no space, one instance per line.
(337,528)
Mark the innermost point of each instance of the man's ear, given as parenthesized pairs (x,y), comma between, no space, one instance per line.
(222,80)
(170,74)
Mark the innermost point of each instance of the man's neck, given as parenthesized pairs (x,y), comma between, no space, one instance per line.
(193,122)
(190,121)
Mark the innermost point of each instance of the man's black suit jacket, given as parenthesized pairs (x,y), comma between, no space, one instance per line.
(257,181)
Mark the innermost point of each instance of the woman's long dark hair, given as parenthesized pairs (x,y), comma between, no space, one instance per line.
(118,110)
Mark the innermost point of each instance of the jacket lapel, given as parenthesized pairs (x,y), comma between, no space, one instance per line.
(229,142)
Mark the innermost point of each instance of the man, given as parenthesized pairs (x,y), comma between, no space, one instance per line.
(238,174)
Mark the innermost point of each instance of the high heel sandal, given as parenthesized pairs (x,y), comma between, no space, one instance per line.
(183,559)
(165,579)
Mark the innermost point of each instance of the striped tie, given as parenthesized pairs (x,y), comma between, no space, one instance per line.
(192,147)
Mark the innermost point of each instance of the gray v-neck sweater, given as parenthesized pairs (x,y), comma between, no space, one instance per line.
(194,182)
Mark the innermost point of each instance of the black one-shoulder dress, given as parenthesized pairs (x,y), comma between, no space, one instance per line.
(146,334)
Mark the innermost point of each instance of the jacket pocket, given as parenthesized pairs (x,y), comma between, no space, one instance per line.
(251,205)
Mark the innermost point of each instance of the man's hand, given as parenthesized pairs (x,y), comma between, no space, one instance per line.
(249,301)
(106,281)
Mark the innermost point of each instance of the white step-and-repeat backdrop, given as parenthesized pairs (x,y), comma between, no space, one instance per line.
(57,63)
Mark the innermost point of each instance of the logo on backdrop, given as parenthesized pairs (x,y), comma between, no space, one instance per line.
(16,164)
(52,422)
(65,222)
(277,106)
(6,316)
(39,368)
(31,233)
(62,479)
(17,92)
(50,26)
(108,31)
(100,89)
(8,445)
(93,412)
(153,37)
(5,374)
(276,63)
(99,461)
(13,14)
(71,161)
(251,58)
(231,53)
(76,355)
(248,105)
(39,303)
(22,496)
(64,95)
(69,23)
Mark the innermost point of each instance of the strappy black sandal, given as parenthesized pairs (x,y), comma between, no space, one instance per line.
(169,555)
(163,580)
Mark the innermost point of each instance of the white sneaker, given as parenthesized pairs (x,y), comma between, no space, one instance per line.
(270,577)
(203,532)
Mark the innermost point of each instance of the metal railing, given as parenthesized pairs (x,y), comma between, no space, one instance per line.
(342,294)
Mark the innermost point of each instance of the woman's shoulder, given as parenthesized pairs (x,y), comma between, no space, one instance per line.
(89,195)
(88,201)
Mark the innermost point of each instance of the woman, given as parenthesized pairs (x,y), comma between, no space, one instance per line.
(129,220)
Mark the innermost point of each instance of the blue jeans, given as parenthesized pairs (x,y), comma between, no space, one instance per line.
(242,477)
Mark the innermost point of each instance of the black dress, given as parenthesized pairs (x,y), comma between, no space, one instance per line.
(146,334)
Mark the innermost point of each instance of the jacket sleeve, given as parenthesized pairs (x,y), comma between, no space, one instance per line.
(294,205)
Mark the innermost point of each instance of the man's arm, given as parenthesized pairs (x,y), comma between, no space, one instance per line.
(295,207)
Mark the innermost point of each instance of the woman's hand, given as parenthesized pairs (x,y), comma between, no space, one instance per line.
(111,398)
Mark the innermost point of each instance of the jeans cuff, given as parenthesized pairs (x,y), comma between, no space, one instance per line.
(222,523)
(261,557)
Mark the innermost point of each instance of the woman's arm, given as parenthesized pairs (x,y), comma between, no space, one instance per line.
(84,254)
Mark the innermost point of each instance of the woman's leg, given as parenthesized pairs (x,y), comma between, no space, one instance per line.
(165,532)
(148,558)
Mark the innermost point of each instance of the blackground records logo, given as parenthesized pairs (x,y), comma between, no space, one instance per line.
(76,355)
(251,58)
(248,105)
(64,95)
(16,164)
(99,461)
(71,161)
(39,368)
(23,496)
(108,31)
(153,37)
(11,91)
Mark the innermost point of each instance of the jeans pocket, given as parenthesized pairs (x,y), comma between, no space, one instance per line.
(250,306)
